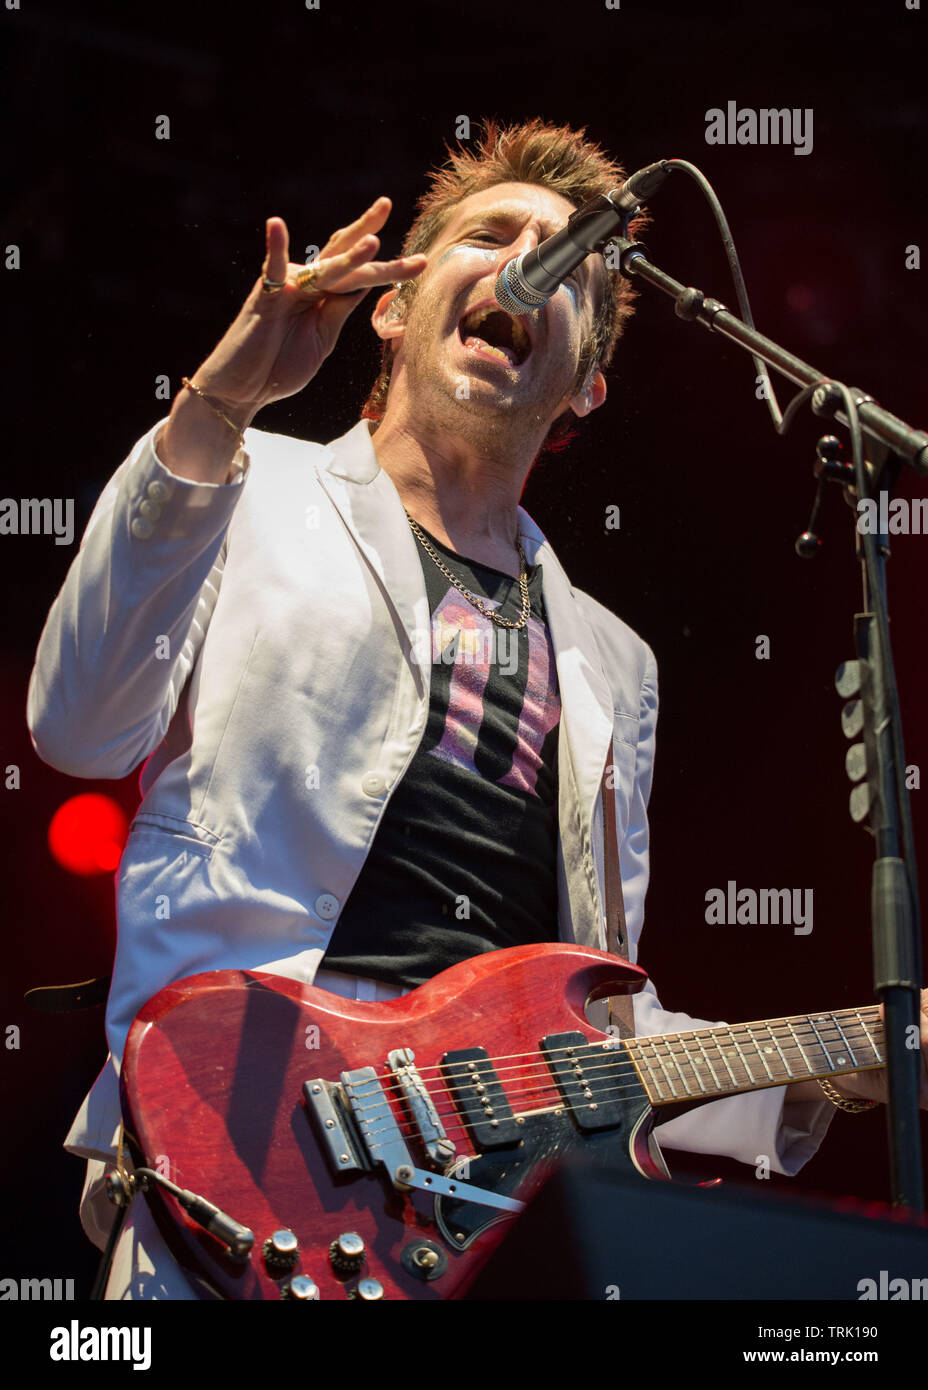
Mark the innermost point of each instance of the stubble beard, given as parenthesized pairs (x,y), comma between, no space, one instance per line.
(478,419)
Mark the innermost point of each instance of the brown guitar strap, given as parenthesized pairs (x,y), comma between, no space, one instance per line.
(621,1009)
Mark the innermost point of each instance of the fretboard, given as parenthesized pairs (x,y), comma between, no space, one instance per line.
(749,1056)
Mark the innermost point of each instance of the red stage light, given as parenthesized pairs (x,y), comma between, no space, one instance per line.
(87,833)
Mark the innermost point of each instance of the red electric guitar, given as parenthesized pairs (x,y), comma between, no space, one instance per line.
(383,1150)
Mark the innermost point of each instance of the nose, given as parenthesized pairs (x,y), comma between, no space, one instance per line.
(526,240)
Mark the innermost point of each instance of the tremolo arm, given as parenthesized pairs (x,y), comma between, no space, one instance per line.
(381,1136)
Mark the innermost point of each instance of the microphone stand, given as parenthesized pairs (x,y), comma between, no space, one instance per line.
(894,886)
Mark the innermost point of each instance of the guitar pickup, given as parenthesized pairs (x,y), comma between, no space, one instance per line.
(481,1101)
(590,1086)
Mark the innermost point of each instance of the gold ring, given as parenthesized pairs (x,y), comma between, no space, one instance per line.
(306,279)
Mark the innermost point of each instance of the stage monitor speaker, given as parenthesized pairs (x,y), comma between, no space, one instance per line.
(594,1236)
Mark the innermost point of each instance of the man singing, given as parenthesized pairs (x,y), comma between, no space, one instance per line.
(373,711)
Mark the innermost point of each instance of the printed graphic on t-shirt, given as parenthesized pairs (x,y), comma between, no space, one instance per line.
(479,653)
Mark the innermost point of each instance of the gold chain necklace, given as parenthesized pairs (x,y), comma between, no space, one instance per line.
(472,598)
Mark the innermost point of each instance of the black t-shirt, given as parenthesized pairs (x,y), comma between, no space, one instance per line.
(465,857)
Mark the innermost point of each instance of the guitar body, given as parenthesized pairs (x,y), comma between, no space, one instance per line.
(289,1107)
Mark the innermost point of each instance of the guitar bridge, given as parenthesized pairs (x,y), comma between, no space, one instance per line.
(356,1125)
(414,1091)
(380,1134)
(334,1126)
(382,1140)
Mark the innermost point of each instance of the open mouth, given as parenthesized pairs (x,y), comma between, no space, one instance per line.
(489,329)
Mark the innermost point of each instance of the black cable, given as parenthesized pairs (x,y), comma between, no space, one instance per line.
(877,600)
(782,421)
(98,1292)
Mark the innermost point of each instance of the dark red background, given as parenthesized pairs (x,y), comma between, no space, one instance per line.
(137,252)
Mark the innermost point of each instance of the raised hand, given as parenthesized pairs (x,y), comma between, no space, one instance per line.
(282,336)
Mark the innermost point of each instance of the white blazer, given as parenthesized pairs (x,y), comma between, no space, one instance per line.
(261,644)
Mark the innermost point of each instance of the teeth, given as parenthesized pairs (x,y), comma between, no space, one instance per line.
(483,346)
(475,319)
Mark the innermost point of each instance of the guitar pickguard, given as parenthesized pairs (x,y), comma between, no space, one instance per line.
(546,1139)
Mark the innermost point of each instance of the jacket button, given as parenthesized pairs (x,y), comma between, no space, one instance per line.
(158,491)
(141,528)
(373,784)
(326,906)
(151,510)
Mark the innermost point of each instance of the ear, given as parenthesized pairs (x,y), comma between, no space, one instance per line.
(387,317)
(591,396)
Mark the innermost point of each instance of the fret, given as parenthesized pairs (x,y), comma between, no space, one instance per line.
(667,1079)
(840,1060)
(802,1051)
(636,1047)
(717,1061)
(689,1057)
(758,1051)
(873,1046)
(668,1038)
(843,1039)
(776,1042)
(721,1051)
(821,1041)
(725,1054)
(715,1080)
(859,1040)
(788,1048)
(638,1053)
(744,1060)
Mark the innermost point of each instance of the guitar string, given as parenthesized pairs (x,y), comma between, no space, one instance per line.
(551,1095)
(812,1036)
(455,1075)
(543,1081)
(618,1068)
(713,1035)
(547,1084)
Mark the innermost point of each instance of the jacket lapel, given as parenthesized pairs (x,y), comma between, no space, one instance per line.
(584,741)
(586,701)
(364,496)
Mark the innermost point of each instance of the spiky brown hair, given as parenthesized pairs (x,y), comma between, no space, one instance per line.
(556,157)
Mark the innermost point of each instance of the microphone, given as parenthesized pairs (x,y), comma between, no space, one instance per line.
(528,281)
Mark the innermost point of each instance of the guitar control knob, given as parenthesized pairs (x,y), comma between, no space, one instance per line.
(281,1251)
(347,1253)
(368,1291)
(302,1287)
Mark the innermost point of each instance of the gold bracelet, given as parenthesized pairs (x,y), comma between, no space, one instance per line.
(216,411)
(853,1107)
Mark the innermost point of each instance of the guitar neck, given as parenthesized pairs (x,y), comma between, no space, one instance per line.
(728,1059)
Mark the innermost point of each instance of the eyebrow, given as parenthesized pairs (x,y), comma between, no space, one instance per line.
(511,214)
